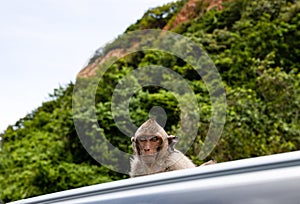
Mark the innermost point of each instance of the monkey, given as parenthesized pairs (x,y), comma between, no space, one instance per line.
(154,151)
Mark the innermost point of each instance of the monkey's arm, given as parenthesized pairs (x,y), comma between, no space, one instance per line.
(136,167)
(179,161)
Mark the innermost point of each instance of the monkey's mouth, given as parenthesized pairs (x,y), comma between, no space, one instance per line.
(149,159)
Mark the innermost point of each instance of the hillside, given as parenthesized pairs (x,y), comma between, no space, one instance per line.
(253,45)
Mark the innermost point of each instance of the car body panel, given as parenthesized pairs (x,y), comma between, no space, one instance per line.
(273,179)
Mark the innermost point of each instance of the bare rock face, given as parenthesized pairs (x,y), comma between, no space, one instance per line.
(192,9)
(90,69)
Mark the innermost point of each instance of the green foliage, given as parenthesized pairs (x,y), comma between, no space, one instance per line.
(255,47)
(157,17)
(42,154)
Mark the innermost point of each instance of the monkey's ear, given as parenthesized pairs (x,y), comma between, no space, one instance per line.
(172,140)
(134,146)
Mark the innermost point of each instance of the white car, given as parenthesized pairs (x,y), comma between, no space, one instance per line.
(271,179)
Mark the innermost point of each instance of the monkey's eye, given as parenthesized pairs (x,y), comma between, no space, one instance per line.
(142,139)
(154,139)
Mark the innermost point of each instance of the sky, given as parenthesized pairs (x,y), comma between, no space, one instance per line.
(45,43)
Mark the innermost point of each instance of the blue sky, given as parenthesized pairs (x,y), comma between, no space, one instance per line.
(45,43)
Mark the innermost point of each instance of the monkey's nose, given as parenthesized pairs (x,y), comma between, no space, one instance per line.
(147,147)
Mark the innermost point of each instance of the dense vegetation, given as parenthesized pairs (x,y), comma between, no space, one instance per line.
(255,46)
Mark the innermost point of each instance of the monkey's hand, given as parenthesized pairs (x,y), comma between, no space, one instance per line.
(209,163)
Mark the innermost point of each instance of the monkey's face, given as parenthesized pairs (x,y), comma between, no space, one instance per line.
(148,147)
(149,144)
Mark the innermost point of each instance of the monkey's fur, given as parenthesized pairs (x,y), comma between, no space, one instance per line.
(166,158)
